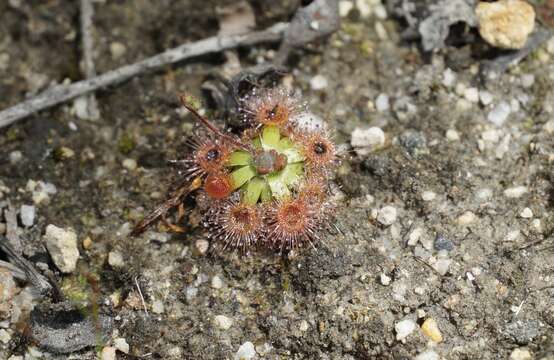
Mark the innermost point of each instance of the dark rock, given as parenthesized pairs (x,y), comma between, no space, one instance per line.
(319,267)
(414,142)
(522,332)
(60,328)
(443,243)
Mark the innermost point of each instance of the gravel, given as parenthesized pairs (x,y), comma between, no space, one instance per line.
(223,322)
(115,259)
(516,192)
(387,215)
(526,213)
(443,243)
(27,214)
(499,114)
(121,345)
(506,23)
(364,141)
(382,103)
(431,329)
(319,82)
(404,328)
(428,355)
(108,353)
(62,246)
(245,352)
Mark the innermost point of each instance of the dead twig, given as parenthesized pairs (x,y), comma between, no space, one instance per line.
(20,265)
(61,93)
(91,111)
(141,297)
(11,229)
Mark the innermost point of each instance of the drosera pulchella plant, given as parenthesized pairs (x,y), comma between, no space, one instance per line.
(268,187)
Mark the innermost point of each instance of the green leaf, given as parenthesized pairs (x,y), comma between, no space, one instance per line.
(281,182)
(279,189)
(270,137)
(292,173)
(266,193)
(253,190)
(257,143)
(293,155)
(240,176)
(284,144)
(239,158)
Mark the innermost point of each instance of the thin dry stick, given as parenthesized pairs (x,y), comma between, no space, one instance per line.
(59,94)
(87,13)
(11,229)
(141,297)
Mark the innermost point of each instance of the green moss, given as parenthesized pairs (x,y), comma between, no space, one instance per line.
(126,144)
(77,290)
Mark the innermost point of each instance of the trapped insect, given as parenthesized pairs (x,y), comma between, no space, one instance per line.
(268,187)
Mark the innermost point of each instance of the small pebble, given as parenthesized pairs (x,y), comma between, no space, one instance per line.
(526,213)
(115,259)
(404,328)
(448,78)
(117,50)
(452,135)
(15,157)
(364,8)
(431,329)
(428,355)
(537,225)
(380,11)
(202,246)
(87,243)
(472,94)
(62,246)
(41,191)
(216,283)
(414,236)
(505,24)
(385,279)
(515,192)
(5,336)
(129,164)
(345,7)
(428,196)
(521,354)
(443,243)
(527,80)
(512,235)
(485,97)
(499,114)
(158,306)
(466,218)
(364,141)
(223,322)
(246,352)
(484,194)
(121,345)
(190,293)
(318,82)
(382,103)
(442,266)
(304,326)
(387,215)
(108,353)
(27,214)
